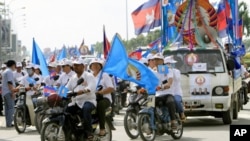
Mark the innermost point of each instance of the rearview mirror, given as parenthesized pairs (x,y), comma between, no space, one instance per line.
(36,79)
(80,81)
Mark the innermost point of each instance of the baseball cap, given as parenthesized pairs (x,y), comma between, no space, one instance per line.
(158,56)
(18,64)
(66,62)
(3,66)
(29,66)
(78,61)
(96,60)
(52,64)
(169,59)
(36,67)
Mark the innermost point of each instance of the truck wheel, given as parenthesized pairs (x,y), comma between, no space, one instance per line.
(227,116)
(235,110)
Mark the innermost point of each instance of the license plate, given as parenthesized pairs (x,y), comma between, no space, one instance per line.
(193,103)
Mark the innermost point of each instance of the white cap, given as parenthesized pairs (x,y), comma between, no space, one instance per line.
(78,61)
(52,64)
(19,64)
(36,67)
(143,60)
(169,59)
(150,57)
(96,60)
(29,66)
(158,56)
(66,62)
(4,66)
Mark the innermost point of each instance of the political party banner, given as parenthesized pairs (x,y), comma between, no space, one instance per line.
(200,85)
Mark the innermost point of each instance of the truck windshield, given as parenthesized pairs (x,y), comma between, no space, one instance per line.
(198,60)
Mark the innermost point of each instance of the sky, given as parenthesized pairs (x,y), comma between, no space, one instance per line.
(54,23)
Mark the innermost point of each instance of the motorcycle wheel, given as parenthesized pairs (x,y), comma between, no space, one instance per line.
(38,121)
(145,132)
(178,133)
(130,125)
(50,132)
(20,121)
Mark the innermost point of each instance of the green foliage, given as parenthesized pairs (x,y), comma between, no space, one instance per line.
(244,14)
(133,43)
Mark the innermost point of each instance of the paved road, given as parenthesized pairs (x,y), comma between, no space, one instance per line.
(195,129)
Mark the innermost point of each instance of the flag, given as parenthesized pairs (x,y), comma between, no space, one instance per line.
(39,59)
(119,65)
(62,91)
(239,32)
(31,80)
(47,90)
(52,74)
(147,16)
(157,41)
(147,80)
(223,17)
(92,49)
(136,54)
(155,48)
(106,44)
(77,51)
(63,54)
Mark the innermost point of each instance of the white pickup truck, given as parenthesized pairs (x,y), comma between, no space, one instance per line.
(210,83)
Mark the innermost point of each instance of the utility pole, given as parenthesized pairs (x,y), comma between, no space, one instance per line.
(127,19)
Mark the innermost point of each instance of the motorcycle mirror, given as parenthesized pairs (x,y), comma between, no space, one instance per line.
(36,79)
(56,77)
(43,84)
(80,81)
(99,87)
(165,81)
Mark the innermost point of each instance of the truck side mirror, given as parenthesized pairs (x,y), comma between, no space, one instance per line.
(230,64)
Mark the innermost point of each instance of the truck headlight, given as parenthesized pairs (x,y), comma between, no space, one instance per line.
(219,90)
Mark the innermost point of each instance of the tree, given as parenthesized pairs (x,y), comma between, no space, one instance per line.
(133,43)
(243,13)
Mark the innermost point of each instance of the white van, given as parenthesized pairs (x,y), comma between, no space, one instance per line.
(209,82)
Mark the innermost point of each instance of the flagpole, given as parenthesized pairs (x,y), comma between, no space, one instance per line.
(127,19)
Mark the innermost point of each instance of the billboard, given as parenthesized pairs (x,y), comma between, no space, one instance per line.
(5,36)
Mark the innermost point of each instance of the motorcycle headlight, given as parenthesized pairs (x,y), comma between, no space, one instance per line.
(41,101)
(218,90)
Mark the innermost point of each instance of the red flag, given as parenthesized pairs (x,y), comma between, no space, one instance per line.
(106,44)
(136,54)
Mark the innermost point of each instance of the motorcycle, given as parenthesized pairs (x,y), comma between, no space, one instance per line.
(136,103)
(24,114)
(155,120)
(120,96)
(64,126)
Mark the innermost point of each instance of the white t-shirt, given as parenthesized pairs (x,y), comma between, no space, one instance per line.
(19,75)
(89,83)
(64,77)
(106,82)
(177,82)
(163,77)
(243,71)
(26,82)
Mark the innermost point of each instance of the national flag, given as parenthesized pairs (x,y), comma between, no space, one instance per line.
(136,54)
(119,65)
(147,16)
(39,59)
(156,42)
(223,17)
(239,32)
(106,44)
(52,74)
(47,90)
(63,54)
(62,91)
(155,48)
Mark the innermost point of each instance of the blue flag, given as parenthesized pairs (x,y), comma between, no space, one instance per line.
(63,54)
(119,65)
(62,91)
(31,80)
(39,59)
